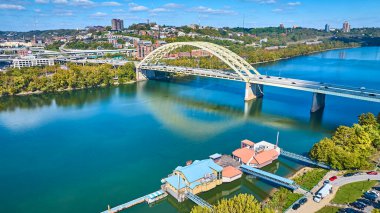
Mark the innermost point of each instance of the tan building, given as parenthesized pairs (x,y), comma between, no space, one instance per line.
(196,177)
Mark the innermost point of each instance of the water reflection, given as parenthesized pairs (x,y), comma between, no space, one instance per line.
(164,101)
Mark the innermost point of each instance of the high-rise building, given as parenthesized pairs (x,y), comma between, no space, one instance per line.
(282,26)
(327,28)
(346,27)
(117,24)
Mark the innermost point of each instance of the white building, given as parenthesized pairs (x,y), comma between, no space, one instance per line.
(32,61)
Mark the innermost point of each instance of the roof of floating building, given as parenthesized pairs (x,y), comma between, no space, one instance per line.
(230,172)
(193,172)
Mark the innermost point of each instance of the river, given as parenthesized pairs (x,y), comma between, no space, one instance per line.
(82,150)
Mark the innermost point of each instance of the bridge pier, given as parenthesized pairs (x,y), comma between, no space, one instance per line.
(318,102)
(253,91)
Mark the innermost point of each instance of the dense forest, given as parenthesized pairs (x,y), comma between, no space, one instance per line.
(59,78)
(351,147)
(256,55)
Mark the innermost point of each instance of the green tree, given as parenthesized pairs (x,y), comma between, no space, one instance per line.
(367,119)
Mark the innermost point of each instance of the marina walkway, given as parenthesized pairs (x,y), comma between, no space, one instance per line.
(303,159)
(199,201)
(290,184)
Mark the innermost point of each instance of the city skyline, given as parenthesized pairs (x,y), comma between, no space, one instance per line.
(20,15)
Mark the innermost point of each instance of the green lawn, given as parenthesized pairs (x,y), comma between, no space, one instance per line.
(309,179)
(352,191)
(328,209)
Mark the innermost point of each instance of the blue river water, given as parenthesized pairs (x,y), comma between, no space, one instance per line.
(80,151)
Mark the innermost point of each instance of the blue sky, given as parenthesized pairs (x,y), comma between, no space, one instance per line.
(24,15)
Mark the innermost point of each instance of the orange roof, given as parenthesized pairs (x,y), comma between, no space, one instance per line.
(248,142)
(265,156)
(230,172)
(244,154)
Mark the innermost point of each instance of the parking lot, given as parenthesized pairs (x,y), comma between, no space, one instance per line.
(366,203)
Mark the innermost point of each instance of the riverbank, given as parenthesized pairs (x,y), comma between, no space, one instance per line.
(71,89)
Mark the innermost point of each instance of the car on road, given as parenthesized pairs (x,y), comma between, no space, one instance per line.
(333,178)
(371,94)
(372,173)
(358,205)
(326,182)
(349,174)
(303,201)
(296,206)
(377,188)
(293,82)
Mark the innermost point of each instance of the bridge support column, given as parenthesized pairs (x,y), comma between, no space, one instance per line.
(140,75)
(318,102)
(253,91)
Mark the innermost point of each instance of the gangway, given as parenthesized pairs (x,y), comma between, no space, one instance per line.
(269,177)
(303,159)
(199,201)
(125,205)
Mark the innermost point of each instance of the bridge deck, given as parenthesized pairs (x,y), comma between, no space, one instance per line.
(290,83)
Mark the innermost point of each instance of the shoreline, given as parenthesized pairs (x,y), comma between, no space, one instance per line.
(64,90)
(298,172)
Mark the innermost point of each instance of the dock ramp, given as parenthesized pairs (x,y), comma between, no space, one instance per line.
(199,201)
(303,159)
(290,184)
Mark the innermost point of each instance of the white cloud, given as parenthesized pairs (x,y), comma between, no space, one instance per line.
(173,5)
(207,10)
(265,1)
(37,10)
(60,1)
(111,3)
(42,1)
(99,14)
(294,3)
(82,3)
(137,8)
(11,7)
(159,10)
(64,12)
(277,10)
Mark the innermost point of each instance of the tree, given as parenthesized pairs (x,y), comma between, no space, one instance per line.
(238,204)
(350,147)
(367,119)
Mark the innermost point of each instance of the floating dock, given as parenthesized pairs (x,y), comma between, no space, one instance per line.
(150,198)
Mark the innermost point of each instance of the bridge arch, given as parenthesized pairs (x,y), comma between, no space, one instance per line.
(235,62)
